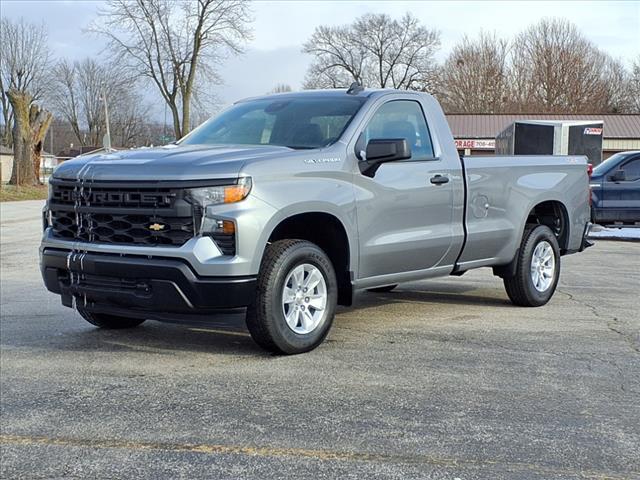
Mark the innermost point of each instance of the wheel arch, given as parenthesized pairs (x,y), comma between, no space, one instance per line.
(554,214)
(327,231)
(550,212)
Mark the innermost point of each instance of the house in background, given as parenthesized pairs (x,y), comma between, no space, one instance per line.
(6,163)
(49,160)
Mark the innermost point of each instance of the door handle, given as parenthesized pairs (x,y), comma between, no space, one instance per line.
(439,179)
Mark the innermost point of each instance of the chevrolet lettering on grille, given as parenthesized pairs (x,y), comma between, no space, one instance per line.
(126,198)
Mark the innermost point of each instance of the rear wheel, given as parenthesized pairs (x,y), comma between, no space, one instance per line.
(537,269)
(384,289)
(104,320)
(296,298)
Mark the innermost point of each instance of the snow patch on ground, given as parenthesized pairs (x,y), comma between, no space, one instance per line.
(624,233)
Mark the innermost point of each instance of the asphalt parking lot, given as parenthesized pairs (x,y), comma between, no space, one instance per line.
(440,379)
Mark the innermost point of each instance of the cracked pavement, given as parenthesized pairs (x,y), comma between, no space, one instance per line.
(440,379)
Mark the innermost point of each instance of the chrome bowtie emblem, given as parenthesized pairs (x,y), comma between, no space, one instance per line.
(156,227)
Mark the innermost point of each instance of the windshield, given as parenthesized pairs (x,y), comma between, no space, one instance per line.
(606,165)
(300,123)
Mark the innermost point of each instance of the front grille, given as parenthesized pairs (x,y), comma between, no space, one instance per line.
(127,229)
(120,213)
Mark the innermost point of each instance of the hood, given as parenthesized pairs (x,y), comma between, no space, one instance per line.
(171,162)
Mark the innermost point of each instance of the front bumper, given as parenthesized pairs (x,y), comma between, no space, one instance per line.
(155,288)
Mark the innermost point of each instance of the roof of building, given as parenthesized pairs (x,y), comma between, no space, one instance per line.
(486,125)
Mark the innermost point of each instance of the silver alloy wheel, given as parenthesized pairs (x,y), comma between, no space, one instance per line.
(543,266)
(304,298)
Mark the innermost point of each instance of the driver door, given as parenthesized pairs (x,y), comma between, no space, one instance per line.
(404,220)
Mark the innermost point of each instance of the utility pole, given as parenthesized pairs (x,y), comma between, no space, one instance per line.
(107,138)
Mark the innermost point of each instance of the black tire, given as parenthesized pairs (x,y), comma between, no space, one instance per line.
(520,287)
(384,289)
(265,317)
(111,322)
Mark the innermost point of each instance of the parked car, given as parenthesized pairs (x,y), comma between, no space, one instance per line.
(283,206)
(615,189)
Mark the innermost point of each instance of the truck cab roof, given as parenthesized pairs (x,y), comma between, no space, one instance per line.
(330,93)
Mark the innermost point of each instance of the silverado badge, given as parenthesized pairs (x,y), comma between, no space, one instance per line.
(156,227)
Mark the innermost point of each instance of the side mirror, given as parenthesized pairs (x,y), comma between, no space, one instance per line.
(618,176)
(383,150)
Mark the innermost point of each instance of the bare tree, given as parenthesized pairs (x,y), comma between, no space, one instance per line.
(175,44)
(322,74)
(24,64)
(281,88)
(338,60)
(129,119)
(550,67)
(475,76)
(634,86)
(78,91)
(29,129)
(618,95)
(375,50)
(556,69)
(64,96)
(60,135)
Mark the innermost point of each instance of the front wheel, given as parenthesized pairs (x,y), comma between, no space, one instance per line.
(537,269)
(296,298)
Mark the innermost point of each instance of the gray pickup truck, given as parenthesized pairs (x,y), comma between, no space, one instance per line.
(283,206)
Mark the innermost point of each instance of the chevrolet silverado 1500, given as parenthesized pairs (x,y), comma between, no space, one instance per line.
(283,206)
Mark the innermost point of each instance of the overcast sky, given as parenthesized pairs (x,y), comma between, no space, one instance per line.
(280,28)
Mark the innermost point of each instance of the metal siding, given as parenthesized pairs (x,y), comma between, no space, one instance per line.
(620,144)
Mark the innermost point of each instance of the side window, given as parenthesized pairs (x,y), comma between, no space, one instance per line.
(632,170)
(402,119)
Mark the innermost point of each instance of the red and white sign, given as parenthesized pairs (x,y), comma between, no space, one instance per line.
(592,131)
(475,144)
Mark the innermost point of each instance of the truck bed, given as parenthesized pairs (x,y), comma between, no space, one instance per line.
(500,190)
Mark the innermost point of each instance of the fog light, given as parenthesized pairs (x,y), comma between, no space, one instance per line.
(225,226)
(218,226)
(222,232)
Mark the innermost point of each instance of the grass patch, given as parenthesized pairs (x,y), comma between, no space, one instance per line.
(11,193)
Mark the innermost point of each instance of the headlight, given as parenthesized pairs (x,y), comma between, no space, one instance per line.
(206,196)
(206,222)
